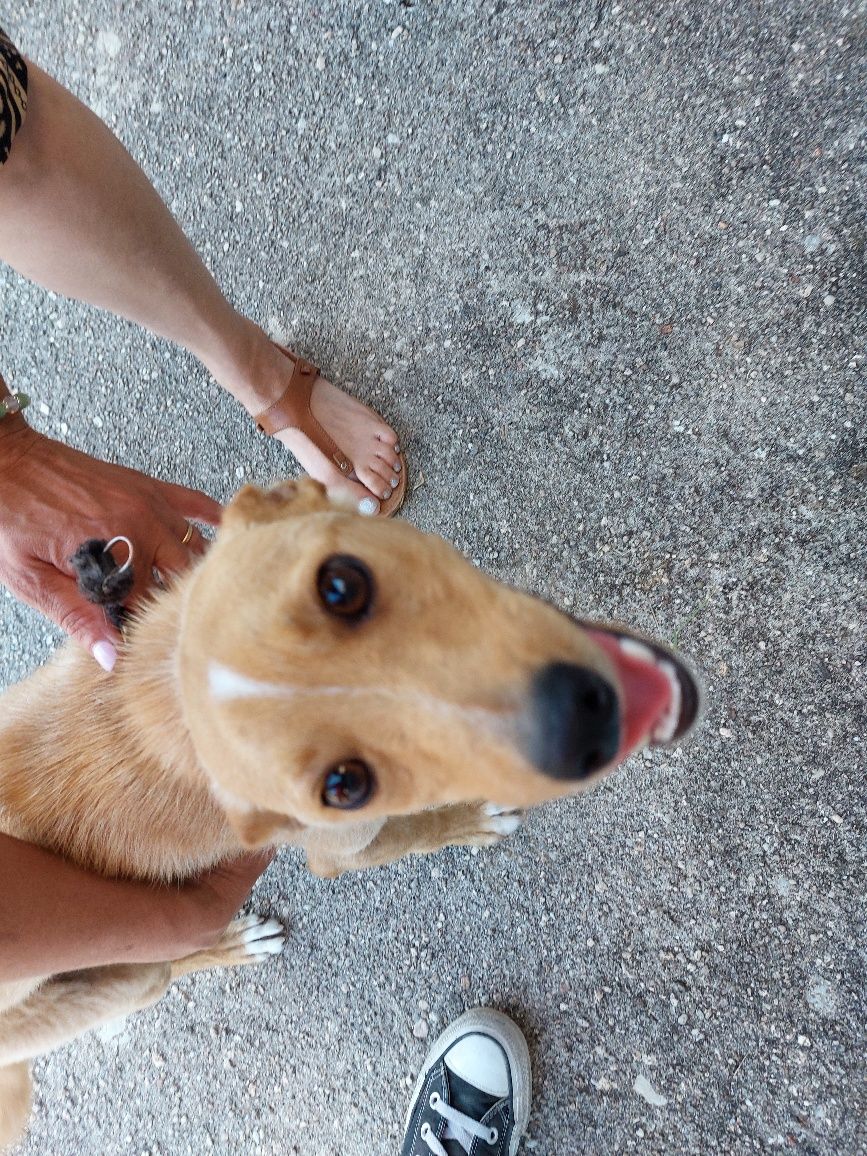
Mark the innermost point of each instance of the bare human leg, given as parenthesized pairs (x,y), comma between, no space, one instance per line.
(78,216)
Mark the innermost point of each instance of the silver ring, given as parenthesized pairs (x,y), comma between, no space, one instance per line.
(128,544)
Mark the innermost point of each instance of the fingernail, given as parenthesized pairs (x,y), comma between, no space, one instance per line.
(368,506)
(105,654)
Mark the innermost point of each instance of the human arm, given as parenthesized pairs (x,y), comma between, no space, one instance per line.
(56,917)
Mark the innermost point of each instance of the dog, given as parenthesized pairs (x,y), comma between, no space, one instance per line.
(351,686)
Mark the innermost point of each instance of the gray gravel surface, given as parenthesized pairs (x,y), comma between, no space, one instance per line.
(602,265)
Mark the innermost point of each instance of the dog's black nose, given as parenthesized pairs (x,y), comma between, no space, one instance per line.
(576,721)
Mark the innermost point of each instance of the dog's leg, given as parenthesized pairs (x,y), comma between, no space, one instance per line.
(69,1004)
(15,1102)
(477,824)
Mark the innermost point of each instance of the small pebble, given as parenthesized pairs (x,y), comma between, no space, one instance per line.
(647,1092)
(420,1029)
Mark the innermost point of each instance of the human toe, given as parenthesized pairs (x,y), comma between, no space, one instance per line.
(355,495)
(377,477)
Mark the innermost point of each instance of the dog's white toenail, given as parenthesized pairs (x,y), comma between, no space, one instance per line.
(368,506)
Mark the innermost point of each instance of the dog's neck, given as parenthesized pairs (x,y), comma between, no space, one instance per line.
(101,768)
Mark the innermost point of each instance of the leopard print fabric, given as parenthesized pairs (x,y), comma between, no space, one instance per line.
(13,93)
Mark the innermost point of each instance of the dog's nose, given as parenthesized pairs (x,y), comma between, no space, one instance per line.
(576,721)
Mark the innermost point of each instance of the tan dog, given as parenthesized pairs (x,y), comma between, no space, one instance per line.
(348,685)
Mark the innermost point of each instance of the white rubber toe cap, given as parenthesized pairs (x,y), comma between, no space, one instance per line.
(481,1062)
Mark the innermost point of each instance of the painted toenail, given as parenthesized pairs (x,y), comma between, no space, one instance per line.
(368,506)
(397,449)
(394,482)
(386,494)
(398,466)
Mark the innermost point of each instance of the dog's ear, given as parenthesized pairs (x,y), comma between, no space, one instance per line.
(262,828)
(253,506)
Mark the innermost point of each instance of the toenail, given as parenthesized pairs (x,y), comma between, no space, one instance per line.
(368,506)
(397,449)
(398,466)
(394,482)
(386,494)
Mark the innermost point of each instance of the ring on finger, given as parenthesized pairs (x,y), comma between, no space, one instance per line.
(113,542)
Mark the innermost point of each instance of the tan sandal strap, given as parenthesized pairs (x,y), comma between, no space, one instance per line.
(293,410)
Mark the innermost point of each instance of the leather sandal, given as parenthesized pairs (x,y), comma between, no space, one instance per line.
(292,411)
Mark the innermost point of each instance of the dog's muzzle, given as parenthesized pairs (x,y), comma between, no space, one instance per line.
(576,719)
(582,722)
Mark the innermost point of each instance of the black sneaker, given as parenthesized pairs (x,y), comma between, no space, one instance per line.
(473,1095)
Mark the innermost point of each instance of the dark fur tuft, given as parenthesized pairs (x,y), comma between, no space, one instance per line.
(101,580)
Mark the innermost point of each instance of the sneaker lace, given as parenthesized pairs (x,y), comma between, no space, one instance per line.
(460,1127)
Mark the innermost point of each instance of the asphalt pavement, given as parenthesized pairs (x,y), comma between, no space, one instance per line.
(602,266)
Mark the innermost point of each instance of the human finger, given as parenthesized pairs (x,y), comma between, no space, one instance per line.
(194,540)
(191,504)
(57,597)
(172,556)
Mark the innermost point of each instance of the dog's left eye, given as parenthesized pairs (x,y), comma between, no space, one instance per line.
(345,586)
(348,785)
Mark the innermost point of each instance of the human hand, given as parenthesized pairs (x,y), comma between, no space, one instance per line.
(208,904)
(54,498)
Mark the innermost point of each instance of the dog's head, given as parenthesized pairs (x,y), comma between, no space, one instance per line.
(335,667)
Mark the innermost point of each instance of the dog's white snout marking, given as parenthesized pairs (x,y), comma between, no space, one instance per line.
(226,685)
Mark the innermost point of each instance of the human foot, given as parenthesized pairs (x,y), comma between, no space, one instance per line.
(337,439)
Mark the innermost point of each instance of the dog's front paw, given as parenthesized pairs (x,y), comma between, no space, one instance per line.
(495,823)
(251,939)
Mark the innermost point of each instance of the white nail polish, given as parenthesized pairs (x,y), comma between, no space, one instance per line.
(368,506)
(386,494)
(105,654)
(394,482)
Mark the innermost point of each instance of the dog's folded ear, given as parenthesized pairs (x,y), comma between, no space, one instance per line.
(253,506)
(262,828)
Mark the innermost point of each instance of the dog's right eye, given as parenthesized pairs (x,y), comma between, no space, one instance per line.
(345,587)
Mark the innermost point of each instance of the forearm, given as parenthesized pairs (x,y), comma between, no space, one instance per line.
(56,917)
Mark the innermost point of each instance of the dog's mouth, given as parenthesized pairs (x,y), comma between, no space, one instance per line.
(661,699)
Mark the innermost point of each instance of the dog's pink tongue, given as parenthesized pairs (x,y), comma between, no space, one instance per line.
(645,690)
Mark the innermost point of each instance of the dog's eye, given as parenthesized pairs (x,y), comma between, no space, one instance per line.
(345,586)
(348,785)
